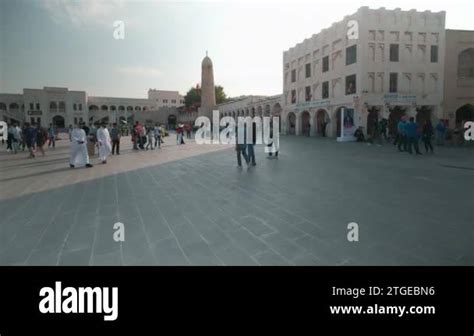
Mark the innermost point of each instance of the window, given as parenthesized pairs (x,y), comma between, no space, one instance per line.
(74,107)
(32,106)
(32,120)
(325,63)
(308,93)
(173,101)
(293,96)
(75,121)
(466,63)
(351,55)
(38,106)
(434,54)
(293,75)
(308,70)
(394,53)
(165,101)
(393,87)
(80,107)
(325,90)
(350,84)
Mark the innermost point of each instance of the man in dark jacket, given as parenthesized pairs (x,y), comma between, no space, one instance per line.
(411,131)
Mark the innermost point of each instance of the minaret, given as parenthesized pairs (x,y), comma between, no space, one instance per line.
(208,93)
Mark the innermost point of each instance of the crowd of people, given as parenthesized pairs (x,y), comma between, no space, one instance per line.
(32,137)
(408,135)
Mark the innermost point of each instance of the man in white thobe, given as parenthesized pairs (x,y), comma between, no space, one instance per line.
(103,139)
(79,156)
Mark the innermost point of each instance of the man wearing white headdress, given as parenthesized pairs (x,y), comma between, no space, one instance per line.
(79,156)
(103,139)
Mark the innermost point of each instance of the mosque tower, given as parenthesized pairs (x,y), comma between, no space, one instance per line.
(208,93)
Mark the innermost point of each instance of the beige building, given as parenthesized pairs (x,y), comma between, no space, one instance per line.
(459,76)
(63,107)
(377,63)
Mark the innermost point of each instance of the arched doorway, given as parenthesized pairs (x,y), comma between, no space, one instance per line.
(372,121)
(423,114)
(58,121)
(322,119)
(172,121)
(291,123)
(464,113)
(305,124)
(396,113)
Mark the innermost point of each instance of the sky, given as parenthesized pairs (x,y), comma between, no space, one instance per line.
(71,43)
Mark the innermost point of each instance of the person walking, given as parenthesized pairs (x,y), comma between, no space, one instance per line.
(69,131)
(383,124)
(151,136)
(273,147)
(30,138)
(411,131)
(401,139)
(240,149)
(51,136)
(140,135)
(41,138)
(440,133)
(103,140)
(79,155)
(16,139)
(157,136)
(10,138)
(427,134)
(115,135)
(250,150)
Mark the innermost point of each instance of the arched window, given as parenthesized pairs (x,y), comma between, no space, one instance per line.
(3,107)
(112,108)
(104,108)
(137,108)
(14,106)
(93,108)
(466,63)
(129,108)
(53,106)
(121,108)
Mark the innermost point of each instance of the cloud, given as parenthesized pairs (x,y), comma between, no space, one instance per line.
(139,71)
(86,12)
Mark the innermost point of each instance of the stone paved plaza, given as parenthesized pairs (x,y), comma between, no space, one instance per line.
(191,205)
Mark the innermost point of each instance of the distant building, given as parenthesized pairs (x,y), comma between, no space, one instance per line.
(63,107)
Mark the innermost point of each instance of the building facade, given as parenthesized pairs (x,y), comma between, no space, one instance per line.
(379,63)
(459,77)
(63,107)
